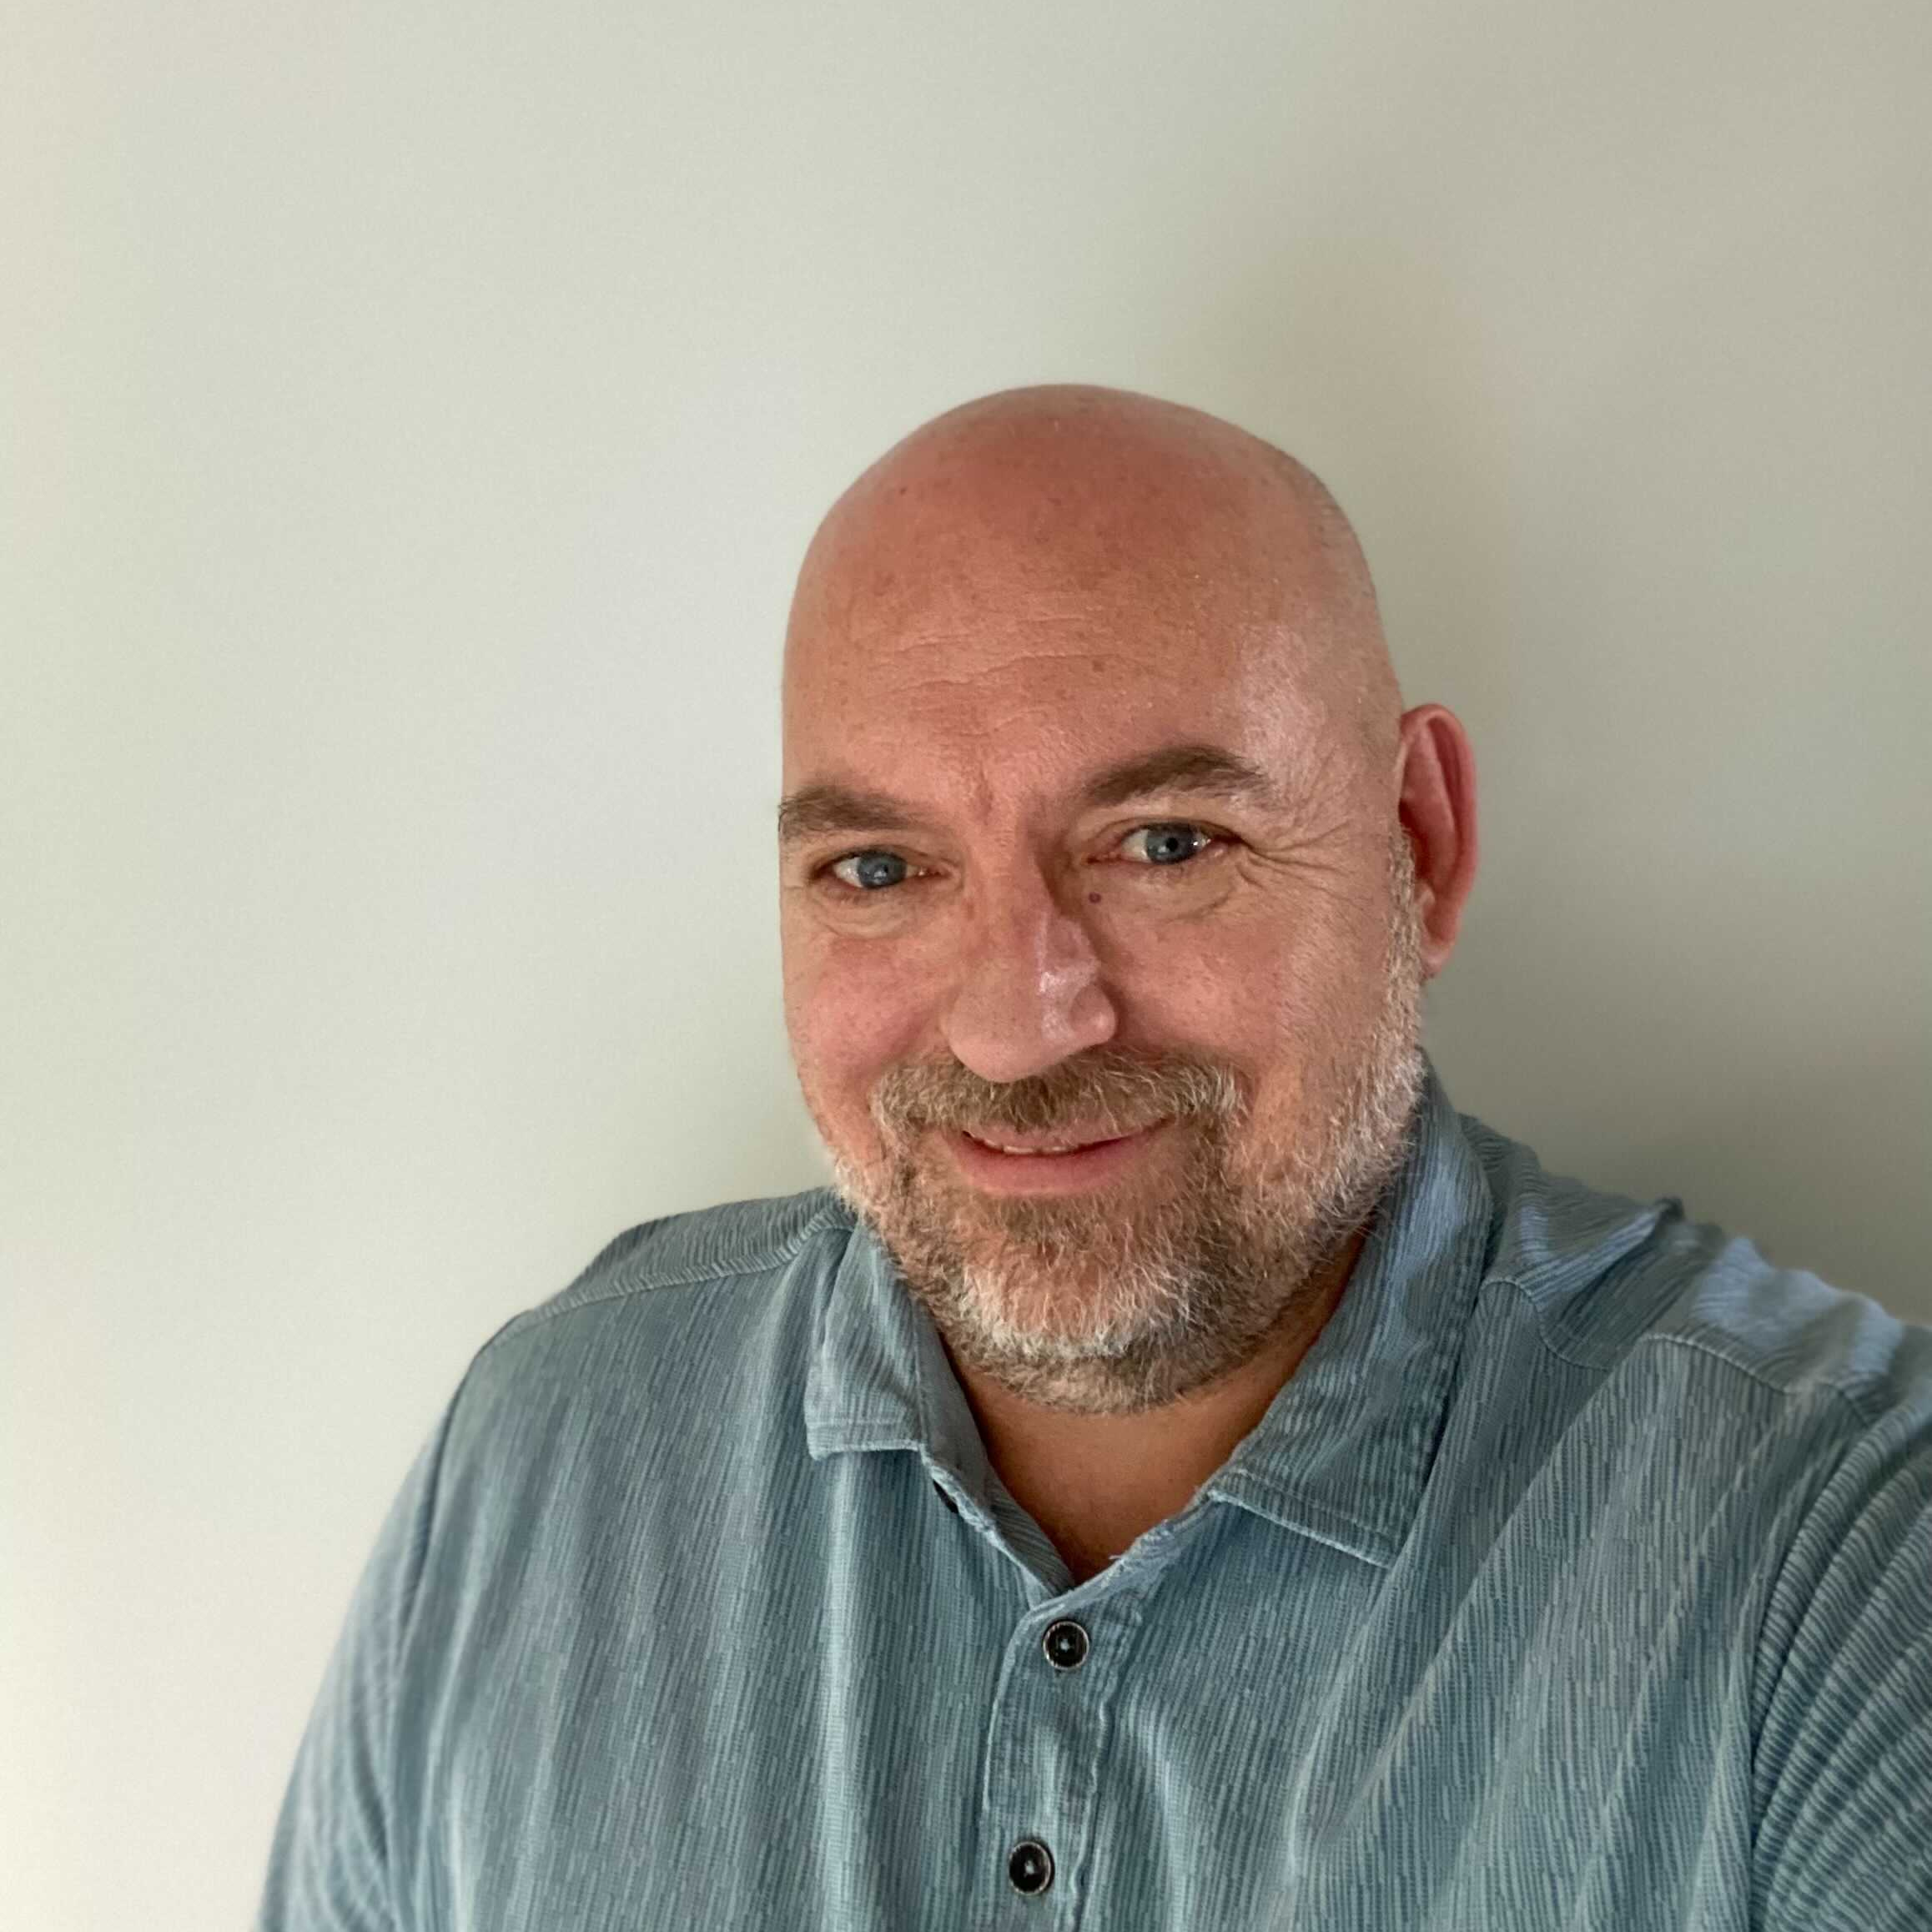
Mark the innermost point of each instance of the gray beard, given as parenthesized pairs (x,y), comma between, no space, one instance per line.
(1110,1303)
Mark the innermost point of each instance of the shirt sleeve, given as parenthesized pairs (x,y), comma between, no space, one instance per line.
(329,1866)
(1843,1777)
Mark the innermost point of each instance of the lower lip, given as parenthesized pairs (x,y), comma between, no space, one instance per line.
(1069,1173)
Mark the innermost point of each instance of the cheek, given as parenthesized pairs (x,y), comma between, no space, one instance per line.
(1225,979)
(852,1011)
(1272,997)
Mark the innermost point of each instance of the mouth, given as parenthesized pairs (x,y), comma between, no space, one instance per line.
(1063,1143)
(1067,1161)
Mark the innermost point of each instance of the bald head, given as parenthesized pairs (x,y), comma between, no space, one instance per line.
(1038,520)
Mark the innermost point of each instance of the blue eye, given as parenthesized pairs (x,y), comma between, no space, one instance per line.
(1170,845)
(870,870)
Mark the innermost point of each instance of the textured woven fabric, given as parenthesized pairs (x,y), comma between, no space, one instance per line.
(1580,1576)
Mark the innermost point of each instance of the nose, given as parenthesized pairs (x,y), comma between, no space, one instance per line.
(1029,990)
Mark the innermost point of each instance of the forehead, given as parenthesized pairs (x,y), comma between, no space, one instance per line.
(1026,715)
(1014,640)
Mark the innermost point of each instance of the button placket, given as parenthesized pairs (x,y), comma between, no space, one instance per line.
(1039,1765)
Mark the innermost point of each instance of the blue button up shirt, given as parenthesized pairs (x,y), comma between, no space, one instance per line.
(1580,1576)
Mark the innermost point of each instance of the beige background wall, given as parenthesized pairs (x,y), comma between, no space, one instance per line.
(411,418)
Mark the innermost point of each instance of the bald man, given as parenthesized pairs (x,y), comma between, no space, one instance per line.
(1182,1473)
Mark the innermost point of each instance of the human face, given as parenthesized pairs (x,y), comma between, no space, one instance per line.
(1094,873)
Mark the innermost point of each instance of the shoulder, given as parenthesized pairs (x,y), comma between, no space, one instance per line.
(724,1296)
(1613,1284)
(740,1242)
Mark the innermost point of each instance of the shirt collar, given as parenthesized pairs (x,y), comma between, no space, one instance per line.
(1343,1450)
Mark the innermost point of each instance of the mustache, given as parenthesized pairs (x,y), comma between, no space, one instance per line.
(1107,1087)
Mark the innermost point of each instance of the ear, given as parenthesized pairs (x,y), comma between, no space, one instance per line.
(1435,801)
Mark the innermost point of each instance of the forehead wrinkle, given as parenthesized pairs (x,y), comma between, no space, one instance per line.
(1164,648)
(1008,673)
(892,628)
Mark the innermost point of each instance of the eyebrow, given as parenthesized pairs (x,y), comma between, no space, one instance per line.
(1203,769)
(817,811)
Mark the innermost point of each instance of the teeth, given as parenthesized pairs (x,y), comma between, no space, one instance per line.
(1062,1147)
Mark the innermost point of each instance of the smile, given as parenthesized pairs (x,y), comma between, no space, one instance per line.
(1046,1146)
(1047,1163)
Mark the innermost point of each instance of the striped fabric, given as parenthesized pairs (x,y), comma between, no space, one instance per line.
(1580,1576)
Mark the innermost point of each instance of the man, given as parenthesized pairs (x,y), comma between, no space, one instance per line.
(1184,1474)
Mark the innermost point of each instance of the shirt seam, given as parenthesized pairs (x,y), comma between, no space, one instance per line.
(753,1261)
(1852,1399)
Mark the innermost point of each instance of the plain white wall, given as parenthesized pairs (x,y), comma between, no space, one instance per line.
(412,418)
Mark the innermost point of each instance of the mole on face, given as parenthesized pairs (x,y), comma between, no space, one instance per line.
(1093,898)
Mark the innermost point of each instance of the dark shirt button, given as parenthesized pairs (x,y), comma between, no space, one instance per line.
(1065,1643)
(945,1499)
(1030,1865)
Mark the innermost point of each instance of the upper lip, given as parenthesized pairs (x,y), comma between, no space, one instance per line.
(1063,1140)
